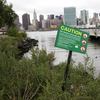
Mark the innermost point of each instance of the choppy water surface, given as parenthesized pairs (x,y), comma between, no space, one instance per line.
(47,40)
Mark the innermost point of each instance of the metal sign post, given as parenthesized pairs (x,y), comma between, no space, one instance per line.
(67,70)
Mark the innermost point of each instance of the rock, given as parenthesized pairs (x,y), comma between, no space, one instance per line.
(26,45)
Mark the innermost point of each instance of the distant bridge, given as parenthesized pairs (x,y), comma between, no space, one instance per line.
(93,31)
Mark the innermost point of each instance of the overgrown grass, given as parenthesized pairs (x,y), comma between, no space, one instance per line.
(39,79)
(14,32)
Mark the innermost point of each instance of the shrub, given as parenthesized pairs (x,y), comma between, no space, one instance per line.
(13,31)
(38,79)
(8,45)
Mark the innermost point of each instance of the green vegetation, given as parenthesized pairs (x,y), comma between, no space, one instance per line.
(14,32)
(39,79)
(7,15)
(7,18)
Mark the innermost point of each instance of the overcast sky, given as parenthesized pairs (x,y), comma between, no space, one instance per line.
(46,7)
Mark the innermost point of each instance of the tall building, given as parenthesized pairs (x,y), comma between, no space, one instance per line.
(84,17)
(95,15)
(59,20)
(44,26)
(41,17)
(34,15)
(70,16)
(95,19)
(35,21)
(50,17)
(25,21)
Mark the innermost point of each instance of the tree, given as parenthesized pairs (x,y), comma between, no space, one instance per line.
(7,14)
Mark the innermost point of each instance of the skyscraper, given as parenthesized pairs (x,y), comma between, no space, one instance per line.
(41,18)
(84,17)
(34,15)
(95,15)
(35,21)
(95,19)
(25,21)
(52,16)
(70,16)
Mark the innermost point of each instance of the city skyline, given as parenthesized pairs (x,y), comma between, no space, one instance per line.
(69,18)
(46,7)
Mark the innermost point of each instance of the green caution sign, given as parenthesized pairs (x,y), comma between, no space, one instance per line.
(72,39)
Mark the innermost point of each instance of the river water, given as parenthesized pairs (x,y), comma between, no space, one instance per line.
(47,40)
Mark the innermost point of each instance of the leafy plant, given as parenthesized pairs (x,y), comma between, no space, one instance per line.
(7,15)
(38,79)
(14,32)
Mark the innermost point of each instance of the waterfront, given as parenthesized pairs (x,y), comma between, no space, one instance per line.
(47,39)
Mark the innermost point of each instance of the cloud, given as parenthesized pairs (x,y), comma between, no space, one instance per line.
(53,6)
(29,5)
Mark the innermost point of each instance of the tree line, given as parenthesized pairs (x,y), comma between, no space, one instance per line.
(7,14)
